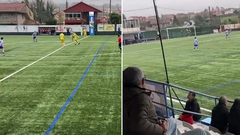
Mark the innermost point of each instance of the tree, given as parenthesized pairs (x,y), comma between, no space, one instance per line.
(42,10)
(199,20)
(26,1)
(234,21)
(236,12)
(225,22)
(51,21)
(175,20)
(114,18)
(230,20)
(149,24)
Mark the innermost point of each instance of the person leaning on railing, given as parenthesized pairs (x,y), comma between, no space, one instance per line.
(139,114)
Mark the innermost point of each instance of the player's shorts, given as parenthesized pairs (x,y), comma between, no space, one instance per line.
(75,39)
(195,44)
(119,44)
(1,47)
(34,37)
(62,40)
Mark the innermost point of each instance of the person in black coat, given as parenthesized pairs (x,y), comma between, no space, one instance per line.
(193,106)
(234,118)
(220,115)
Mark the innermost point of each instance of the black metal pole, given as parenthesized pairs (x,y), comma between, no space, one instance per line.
(164,60)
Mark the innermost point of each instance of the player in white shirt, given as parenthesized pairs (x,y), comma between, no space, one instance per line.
(1,46)
(227,34)
(196,44)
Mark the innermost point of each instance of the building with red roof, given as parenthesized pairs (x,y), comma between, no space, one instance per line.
(79,14)
(16,14)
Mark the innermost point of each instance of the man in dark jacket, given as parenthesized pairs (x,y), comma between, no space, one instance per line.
(139,114)
(234,118)
(220,115)
(193,106)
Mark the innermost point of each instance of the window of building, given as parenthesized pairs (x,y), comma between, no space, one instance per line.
(4,16)
(73,16)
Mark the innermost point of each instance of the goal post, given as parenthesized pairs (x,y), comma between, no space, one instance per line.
(185,31)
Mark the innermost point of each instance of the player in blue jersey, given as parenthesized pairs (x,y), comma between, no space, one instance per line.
(227,34)
(196,44)
(34,36)
(1,46)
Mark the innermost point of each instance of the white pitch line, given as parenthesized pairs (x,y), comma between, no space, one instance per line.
(204,109)
(35,62)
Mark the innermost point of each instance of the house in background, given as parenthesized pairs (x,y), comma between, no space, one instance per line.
(59,15)
(16,14)
(79,14)
(229,11)
(191,15)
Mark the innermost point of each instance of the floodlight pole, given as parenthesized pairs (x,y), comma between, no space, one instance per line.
(164,60)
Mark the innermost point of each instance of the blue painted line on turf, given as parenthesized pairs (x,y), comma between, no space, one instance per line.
(221,85)
(74,91)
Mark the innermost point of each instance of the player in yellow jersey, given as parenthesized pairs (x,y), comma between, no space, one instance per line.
(85,32)
(62,39)
(75,36)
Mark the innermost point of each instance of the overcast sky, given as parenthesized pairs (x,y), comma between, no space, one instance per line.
(173,6)
(96,2)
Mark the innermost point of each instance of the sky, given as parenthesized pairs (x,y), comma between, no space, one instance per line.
(173,6)
(96,2)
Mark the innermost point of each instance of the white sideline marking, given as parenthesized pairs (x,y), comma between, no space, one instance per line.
(204,109)
(36,61)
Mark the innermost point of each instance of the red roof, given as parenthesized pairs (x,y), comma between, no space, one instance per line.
(11,7)
(82,7)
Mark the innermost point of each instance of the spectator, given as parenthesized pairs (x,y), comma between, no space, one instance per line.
(234,118)
(193,106)
(220,115)
(139,115)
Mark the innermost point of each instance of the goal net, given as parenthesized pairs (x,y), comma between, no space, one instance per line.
(185,31)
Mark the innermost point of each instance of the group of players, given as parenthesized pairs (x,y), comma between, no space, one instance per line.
(227,32)
(74,37)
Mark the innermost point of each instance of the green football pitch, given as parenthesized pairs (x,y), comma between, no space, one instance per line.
(47,89)
(213,70)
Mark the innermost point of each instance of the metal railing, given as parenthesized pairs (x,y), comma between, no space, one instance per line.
(179,100)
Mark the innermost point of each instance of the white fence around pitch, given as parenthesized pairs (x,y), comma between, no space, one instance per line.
(58,28)
(32,28)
